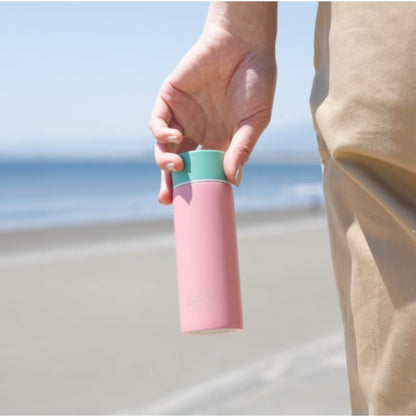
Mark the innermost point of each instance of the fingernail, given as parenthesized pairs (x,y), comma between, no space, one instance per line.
(172,139)
(238,175)
(170,166)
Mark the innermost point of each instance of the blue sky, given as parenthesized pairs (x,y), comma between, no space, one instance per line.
(80,79)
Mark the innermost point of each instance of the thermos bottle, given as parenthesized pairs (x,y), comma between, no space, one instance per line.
(206,246)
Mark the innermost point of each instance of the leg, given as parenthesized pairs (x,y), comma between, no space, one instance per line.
(364,108)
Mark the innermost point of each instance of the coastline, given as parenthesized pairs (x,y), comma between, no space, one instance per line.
(22,240)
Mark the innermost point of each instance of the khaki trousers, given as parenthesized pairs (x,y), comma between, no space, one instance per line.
(364,108)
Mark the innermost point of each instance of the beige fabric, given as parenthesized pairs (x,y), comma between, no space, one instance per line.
(364,106)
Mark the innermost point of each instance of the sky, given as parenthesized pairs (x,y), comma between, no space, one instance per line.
(80,79)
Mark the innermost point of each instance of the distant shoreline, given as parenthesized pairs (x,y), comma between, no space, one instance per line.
(53,194)
(26,240)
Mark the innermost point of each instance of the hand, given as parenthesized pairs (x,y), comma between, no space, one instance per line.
(220,96)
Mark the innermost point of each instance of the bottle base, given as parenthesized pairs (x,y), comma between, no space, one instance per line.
(213,331)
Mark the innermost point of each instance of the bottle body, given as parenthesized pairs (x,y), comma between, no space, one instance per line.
(207,257)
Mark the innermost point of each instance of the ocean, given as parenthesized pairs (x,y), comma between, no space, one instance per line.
(37,194)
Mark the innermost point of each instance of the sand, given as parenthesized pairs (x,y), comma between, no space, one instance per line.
(89,317)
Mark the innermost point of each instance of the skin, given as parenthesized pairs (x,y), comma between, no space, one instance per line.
(221,93)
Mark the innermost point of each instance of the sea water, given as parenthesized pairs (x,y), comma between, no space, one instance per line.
(54,193)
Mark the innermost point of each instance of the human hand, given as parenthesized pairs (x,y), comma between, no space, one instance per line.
(220,95)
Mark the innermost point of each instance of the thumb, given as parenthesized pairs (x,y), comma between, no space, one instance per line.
(239,151)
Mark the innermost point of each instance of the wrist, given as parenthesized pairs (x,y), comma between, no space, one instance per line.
(254,23)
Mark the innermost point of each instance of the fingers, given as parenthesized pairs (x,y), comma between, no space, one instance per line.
(160,124)
(239,151)
(170,162)
(170,142)
(165,192)
(168,137)
(167,159)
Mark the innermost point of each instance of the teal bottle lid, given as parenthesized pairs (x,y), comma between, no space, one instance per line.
(200,165)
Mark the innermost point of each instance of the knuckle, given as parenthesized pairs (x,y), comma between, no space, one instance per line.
(244,152)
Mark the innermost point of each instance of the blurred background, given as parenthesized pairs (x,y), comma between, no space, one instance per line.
(88,297)
(78,83)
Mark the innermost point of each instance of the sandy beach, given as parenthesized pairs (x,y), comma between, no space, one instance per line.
(89,316)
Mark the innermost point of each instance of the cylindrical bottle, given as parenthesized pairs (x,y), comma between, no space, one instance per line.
(206,246)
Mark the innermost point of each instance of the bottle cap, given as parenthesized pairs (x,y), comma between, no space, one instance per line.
(200,165)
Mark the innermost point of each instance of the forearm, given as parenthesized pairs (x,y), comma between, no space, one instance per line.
(252,22)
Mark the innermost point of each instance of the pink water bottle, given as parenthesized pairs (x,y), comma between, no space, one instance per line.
(206,246)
